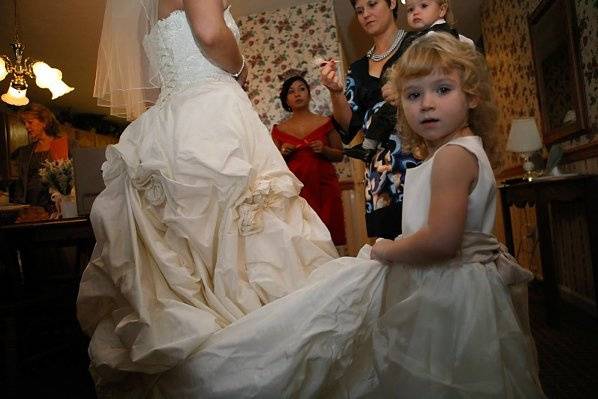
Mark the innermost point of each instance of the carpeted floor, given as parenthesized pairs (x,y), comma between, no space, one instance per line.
(568,358)
(568,355)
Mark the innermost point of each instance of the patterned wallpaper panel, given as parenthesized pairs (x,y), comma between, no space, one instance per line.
(276,41)
(587,20)
(508,52)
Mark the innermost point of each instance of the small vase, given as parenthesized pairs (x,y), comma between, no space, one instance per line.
(68,206)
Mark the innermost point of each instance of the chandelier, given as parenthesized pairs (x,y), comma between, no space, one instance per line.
(20,68)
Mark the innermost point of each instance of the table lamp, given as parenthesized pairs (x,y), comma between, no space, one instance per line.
(524,138)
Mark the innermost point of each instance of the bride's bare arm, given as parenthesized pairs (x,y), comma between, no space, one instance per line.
(207,22)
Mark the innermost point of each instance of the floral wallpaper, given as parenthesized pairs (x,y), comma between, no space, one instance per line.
(508,52)
(276,41)
(587,20)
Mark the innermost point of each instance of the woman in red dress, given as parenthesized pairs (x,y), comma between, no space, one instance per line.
(309,143)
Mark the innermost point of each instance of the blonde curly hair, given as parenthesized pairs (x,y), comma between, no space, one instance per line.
(442,52)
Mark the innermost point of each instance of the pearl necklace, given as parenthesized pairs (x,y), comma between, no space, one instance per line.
(395,44)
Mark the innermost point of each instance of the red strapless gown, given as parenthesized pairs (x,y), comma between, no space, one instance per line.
(320,183)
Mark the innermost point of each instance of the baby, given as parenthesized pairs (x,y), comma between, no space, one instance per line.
(424,17)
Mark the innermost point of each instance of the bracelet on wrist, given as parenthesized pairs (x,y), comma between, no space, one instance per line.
(236,75)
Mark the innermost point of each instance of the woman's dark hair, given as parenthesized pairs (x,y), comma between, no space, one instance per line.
(394,11)
(42,114)
(286,86)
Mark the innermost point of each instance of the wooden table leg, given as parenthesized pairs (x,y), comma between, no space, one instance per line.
(551,290)
(591,204)
(506,221)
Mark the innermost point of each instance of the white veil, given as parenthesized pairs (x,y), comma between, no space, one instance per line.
(124,79)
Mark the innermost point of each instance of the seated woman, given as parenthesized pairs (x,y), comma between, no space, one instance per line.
(45,144)
(309,143)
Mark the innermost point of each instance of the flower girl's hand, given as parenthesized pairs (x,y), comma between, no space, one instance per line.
(380,249)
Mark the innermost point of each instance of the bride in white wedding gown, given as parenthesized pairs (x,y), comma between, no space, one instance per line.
(212,278)
(200,223)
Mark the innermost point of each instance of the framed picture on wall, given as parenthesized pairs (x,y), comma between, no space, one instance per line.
(12,136)
(554,38)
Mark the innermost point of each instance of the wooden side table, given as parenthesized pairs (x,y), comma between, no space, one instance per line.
(17,300)
(542,193)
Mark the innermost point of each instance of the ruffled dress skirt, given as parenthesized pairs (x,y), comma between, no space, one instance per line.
(200,224)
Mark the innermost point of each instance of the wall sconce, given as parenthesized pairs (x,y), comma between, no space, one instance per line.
(21,68)
(524,138)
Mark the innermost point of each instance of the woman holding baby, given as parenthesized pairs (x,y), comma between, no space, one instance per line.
(362,96)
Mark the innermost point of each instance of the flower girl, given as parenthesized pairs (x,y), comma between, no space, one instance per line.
(454,321)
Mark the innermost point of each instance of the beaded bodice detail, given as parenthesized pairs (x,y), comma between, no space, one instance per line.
(176,57)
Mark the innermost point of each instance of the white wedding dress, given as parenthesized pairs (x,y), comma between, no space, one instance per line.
(212,278)
(199,225)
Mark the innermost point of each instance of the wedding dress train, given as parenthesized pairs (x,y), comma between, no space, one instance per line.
(212,278)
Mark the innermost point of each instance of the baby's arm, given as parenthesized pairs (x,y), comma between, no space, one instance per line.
(454,173)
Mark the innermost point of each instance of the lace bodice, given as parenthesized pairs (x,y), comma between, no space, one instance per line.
(176,57)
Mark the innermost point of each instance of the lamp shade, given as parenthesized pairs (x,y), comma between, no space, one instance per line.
(45,75)
(59,88)
(524,136)
(50,78)
(15,96)
(3,70)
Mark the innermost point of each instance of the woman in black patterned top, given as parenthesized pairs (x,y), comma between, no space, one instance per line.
(361,97)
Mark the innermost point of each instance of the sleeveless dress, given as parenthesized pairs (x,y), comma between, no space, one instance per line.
(321,188)
(212,278)
(449,330)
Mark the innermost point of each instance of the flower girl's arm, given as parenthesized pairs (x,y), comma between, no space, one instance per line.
(454,174)
(207,21)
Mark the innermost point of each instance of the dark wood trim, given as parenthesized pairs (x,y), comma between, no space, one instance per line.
(575,154)
(581,153)
(4,150)
(513,171)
